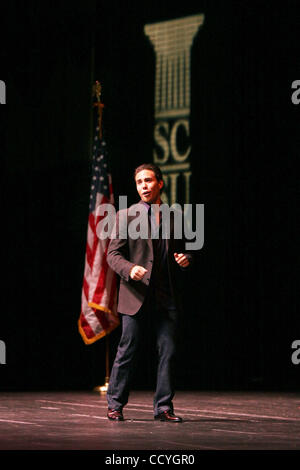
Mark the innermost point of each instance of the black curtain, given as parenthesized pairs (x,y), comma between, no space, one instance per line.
(240,316)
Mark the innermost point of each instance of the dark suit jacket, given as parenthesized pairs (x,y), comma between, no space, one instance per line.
(124,252)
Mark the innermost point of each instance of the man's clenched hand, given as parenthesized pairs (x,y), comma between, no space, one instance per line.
(137,272)
(181,259)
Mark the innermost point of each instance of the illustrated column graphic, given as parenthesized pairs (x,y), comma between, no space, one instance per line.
(172,41)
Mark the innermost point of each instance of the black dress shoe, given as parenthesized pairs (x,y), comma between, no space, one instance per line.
(168,416)
(115,415)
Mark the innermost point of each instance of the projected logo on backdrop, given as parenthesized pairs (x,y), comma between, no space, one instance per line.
(172,41)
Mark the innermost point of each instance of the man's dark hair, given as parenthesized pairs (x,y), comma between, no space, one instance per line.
(149,166)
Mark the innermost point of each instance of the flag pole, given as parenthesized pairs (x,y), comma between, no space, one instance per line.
(103,388)
(97,93)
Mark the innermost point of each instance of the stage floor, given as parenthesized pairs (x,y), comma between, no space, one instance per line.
(212,421)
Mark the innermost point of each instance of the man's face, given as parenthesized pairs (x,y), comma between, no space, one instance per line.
(148,187)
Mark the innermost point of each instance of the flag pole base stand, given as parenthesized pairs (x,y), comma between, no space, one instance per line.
(102,388)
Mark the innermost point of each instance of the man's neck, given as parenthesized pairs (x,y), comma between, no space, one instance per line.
(157,203)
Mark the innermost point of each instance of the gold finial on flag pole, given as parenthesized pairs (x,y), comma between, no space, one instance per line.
(97,88)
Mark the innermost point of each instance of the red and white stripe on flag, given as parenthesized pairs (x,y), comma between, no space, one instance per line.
(98,315)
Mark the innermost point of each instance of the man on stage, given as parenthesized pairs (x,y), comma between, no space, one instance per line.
(150,269)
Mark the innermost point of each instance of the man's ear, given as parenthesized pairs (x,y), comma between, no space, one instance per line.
(161,184)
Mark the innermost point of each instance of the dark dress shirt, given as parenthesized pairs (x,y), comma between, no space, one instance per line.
(160,286)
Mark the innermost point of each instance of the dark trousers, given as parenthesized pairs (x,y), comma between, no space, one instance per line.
(164,322)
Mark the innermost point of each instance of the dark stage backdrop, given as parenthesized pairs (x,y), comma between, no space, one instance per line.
(240,317)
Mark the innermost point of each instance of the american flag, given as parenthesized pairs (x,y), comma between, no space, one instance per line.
(98,315)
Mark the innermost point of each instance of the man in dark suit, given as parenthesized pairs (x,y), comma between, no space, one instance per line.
(150,267)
